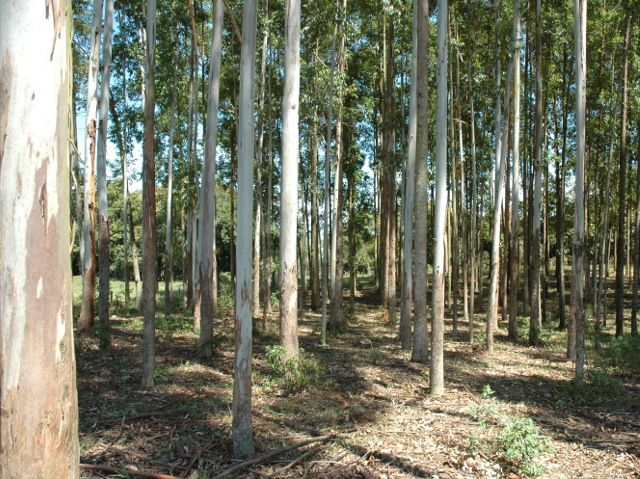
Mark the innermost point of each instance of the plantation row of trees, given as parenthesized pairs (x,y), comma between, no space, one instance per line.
(263,129)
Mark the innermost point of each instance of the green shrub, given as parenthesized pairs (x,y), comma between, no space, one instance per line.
(624,352)
(296,373)
(513,441)
(598,385)
(520,442)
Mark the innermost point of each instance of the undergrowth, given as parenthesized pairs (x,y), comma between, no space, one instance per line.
(295,374)
(514,442)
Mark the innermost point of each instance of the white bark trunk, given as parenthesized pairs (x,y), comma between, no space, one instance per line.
(103,205)
(39,426)
(289,189)
(580,24)
(436,385)
(242,430)
(207,227)
(409,185)
(89,229)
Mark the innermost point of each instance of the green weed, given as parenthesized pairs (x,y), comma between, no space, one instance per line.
(513,441)
(296,373)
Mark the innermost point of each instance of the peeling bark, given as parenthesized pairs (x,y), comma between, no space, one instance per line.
(38,421)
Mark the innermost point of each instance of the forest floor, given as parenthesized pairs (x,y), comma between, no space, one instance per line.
(369,415)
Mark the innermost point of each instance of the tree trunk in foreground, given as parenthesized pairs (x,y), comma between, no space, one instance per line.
(420,350)
(580,29)
(149,263)
(436,385)
(39,425)
(242,429)
(289,189)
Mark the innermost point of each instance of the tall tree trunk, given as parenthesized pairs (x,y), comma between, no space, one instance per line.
(620,261)
(87,312)
(266,306)
(315,227)
(103,205)
(259,221)
(149,262)
(337,240)
(390,176)
(535,322)
(492,308)
(409,189)
(515,186)
(242,429)
(289,188)
(328,264)
(580,25)
(207,230)
(351,182)
(463,196)
(560,195)
(474,201)
(420,350)
(168,251)
(436,380)
(39,426)
(636,258)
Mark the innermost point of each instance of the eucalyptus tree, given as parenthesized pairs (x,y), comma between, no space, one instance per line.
(168,248)
(207,229)
(620,248)
(580,34)
(502,127)
(420,332)
(149,262)
(87,312)
(103,205)
(289,188)
(515,175)
(39,426)
(436,378)
(409,186)
(337,258)
(492,307)
(535,324)
(242,430)
(259,226)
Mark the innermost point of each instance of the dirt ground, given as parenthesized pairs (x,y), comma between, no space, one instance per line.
(370,416)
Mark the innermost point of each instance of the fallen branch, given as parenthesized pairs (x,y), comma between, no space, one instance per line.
(195,457)
(129,472)
(114,441)
(298,460)
(268,455)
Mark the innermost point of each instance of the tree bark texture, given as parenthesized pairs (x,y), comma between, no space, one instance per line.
(149,262)
(420,352)
(436,384)
(289,189)
(39,421)
(241,428)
